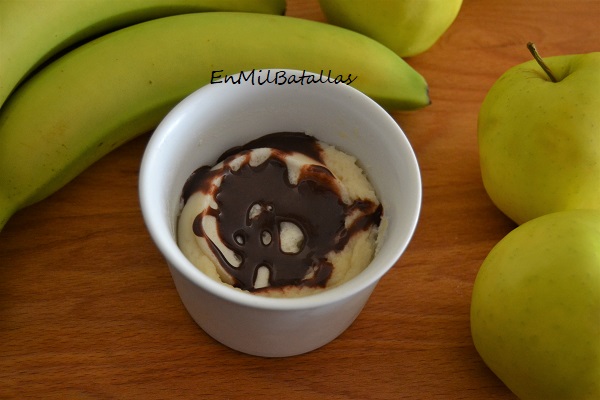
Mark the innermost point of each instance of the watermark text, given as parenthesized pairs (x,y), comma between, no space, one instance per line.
(280,77)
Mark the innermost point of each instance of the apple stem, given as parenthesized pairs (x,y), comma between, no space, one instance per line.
(540,61)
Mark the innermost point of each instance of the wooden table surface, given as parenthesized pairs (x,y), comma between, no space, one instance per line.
(88,309)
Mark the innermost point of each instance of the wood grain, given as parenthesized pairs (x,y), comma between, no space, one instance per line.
(88,309)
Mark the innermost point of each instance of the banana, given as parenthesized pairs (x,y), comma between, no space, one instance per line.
(108,91)
(32,31)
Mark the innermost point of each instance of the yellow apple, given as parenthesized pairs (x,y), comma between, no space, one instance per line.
(409,27)
(535,309)
(539,141)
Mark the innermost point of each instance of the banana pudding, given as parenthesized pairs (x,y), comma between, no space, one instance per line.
(284,215)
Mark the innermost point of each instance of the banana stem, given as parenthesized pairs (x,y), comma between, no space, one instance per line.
(6,211)
(540,61)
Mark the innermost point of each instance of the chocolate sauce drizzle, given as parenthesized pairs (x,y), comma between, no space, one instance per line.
(313,205)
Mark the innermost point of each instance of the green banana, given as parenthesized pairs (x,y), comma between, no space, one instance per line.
(110,90)
(32,31)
